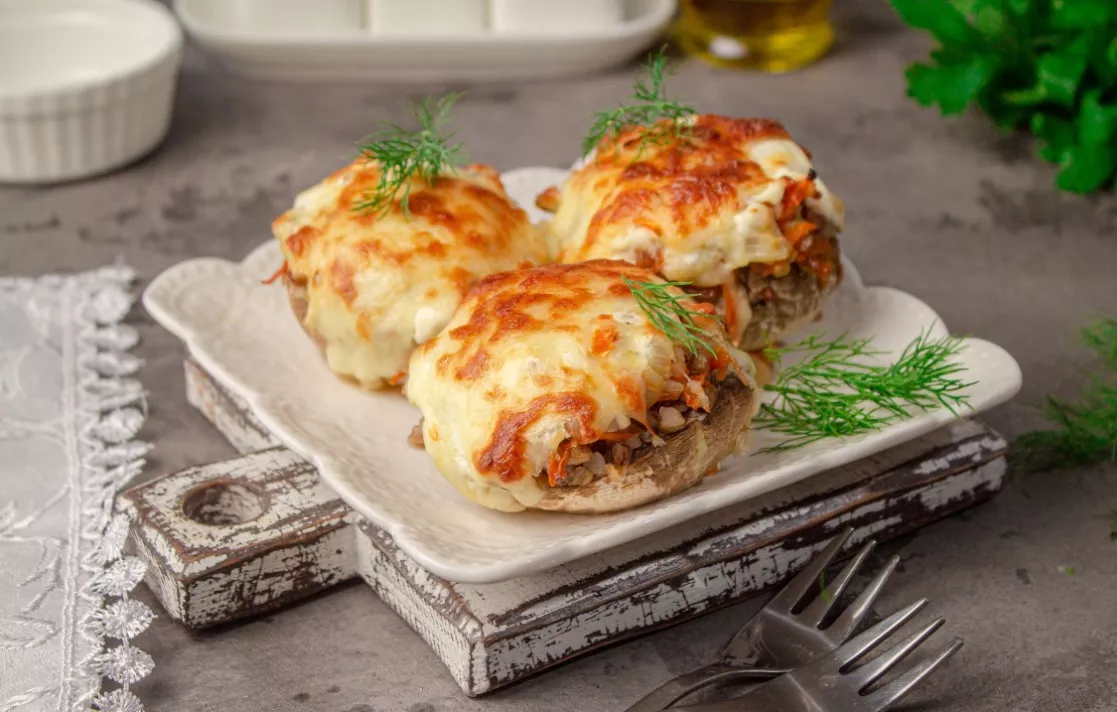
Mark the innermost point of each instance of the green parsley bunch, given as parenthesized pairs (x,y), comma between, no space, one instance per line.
(1046,65)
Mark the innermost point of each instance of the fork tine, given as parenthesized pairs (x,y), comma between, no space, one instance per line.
(817,610)
(851,617)
(855,649)
(872,671)
(799,586)
(891,693)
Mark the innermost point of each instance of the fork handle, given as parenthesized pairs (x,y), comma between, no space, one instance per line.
(673,690)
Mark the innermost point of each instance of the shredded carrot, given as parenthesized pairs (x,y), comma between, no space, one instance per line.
(558,461)
(794,195)
(278,273)
(796,231)
(691,398)
(727,293)
(616,437)
(721,365)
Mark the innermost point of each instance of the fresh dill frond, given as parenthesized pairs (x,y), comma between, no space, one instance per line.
(1085,432)
(404,155)
(664,118)
(669,314)
(834,391)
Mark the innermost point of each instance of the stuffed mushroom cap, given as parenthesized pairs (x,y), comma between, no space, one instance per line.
(369,285)
(719,202)
(551,388)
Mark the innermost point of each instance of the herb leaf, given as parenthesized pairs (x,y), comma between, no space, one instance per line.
(1097,122)
(951,86)
(651,108)
(1082,14)
(1058,75)
(405,155)
(1084,432)
(668,313)
(1103,61)
(1047,65)
(1058,135)
(834,392)
(943,20)
(990,17)
(1087,168)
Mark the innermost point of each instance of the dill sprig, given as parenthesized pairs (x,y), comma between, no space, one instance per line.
(669,314)
(664,118)
(1084,432)
(834,392)
(403,155)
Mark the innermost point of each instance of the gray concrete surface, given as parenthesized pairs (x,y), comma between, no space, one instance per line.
(951,211)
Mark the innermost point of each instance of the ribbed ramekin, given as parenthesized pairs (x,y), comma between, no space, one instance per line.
(86,86)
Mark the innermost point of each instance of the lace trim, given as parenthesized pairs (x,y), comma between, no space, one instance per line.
(104,408)
(112,409)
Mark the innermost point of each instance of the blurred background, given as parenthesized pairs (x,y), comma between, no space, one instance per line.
(269,96)
(272,95)
(156,133)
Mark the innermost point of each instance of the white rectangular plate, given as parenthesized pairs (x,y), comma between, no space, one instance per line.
(290,48)
(244,334)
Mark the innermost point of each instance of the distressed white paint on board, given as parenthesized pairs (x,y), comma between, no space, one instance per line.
(971,452)
(965,482)
(227,412)
(489,635)
(209,568)
(524,625)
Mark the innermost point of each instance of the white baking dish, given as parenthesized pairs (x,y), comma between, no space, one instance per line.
(85,85)
(282,48)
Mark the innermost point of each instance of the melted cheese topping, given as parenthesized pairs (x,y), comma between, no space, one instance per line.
(377,285)
(730,193)
(531,358)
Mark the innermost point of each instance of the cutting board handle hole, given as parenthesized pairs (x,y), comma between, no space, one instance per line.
(225,503)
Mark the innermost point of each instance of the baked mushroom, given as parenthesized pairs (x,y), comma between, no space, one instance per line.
(563,388)
(732,206)
(368,286)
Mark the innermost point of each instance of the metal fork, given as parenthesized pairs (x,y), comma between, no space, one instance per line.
(828,685)
(778,638)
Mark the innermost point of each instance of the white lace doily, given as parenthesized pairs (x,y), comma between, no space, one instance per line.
(68,412)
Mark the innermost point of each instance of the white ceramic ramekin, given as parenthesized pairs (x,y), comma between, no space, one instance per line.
(85,85)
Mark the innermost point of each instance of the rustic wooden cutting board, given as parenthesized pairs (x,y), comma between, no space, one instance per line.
(248,535)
